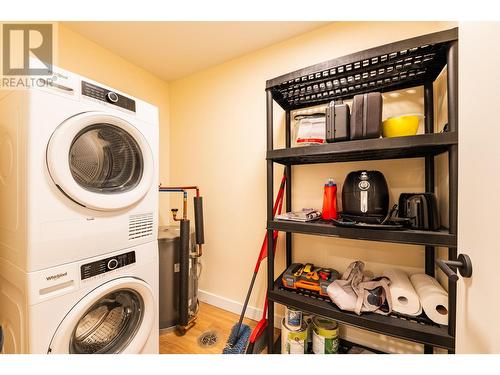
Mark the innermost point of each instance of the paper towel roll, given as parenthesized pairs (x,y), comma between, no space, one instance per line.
(403,296)
(433,297)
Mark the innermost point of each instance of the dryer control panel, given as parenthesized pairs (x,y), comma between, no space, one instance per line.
(107,96)
(105,265)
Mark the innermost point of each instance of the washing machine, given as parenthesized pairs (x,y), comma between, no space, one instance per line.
(104,304)
(78,172)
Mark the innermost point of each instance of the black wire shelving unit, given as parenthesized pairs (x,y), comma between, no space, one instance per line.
(403,64)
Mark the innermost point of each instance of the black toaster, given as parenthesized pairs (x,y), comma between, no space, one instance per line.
(420,209)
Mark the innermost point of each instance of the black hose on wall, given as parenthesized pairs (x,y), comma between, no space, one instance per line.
(198,220)
(184,274)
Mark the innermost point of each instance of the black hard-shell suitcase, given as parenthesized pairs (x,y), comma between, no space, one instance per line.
(337,122)
(366,118)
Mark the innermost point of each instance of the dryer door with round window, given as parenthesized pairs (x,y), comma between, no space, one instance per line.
(100,161)
(117,317)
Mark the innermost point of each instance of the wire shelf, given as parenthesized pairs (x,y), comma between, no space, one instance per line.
(391,67)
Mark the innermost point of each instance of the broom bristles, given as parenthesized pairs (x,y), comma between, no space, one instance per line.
(240,345)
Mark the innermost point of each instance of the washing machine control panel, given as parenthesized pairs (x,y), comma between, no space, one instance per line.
(105,265)
(107,96)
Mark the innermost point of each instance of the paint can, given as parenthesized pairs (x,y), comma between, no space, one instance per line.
(293,342)
(293,319)
(325,336)
(308,321)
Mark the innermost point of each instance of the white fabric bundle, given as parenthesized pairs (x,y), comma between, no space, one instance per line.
(404,297)
(433,297)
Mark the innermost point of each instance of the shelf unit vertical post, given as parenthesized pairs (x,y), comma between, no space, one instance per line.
(452,63)
(270,193)
(288,191)
(429,167)
(430,251)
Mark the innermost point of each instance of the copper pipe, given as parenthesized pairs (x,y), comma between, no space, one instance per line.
(199,251)
(182,188)
(185,206)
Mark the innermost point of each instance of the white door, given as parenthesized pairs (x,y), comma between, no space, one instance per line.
(116,317)
(478,298)
(100,161)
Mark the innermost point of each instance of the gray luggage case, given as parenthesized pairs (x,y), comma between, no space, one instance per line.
(366,118)
(337,122)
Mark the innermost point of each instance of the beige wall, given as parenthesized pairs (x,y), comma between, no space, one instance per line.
(478,330)
(82,56)
(218,123)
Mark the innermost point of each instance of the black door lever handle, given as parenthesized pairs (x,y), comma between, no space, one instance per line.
(463,264)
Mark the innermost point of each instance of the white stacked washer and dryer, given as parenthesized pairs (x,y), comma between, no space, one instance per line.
(78,219)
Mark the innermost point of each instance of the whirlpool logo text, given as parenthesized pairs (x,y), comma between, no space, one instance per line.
(56,276)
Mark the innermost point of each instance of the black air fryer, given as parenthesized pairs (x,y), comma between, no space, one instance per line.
(365,197)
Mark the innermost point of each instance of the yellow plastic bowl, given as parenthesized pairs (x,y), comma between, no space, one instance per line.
(400,126)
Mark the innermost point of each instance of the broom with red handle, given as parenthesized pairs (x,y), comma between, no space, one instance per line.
(257,340)
(240,333)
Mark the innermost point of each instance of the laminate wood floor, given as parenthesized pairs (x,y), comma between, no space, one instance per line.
(210,318)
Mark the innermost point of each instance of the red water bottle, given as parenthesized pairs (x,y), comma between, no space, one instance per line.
(329,201)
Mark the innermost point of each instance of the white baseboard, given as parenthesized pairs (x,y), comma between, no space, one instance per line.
(235,307)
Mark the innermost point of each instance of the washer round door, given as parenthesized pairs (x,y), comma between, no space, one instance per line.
(100,161)
(116,317)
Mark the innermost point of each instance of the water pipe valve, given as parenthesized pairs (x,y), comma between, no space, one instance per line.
(174,213)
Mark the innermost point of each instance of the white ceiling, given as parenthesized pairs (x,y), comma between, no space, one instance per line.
(172,50)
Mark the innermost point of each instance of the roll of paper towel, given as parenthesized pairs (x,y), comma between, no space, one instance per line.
(403,296)
(433,297)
